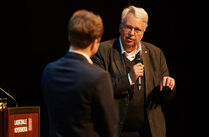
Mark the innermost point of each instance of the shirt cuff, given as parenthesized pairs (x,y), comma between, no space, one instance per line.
(130,81)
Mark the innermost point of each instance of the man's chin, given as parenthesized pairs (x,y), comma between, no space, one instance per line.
(130,44)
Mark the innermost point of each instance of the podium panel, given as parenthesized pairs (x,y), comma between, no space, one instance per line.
(22,122)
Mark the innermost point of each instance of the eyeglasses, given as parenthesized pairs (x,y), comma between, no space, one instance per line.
(129,28)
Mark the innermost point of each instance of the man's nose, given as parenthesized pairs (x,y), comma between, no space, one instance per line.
(132,31)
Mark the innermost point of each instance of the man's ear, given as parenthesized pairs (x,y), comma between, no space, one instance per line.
(92,45)
(98,40)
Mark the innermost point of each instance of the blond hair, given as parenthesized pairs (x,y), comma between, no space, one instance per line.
(84,27)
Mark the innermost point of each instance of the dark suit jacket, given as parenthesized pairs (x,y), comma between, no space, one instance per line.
(79,98)
(109,57)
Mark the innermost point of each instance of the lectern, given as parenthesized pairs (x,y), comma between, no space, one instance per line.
(20,122)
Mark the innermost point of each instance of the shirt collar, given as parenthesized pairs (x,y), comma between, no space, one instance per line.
(83,54)
(128,55)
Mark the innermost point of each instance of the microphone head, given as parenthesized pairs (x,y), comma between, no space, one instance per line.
(138,58)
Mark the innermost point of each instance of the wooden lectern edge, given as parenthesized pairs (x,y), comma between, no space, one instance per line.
(24,109)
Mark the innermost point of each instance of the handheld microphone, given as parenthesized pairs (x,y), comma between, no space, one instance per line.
(9,96)
(138,59)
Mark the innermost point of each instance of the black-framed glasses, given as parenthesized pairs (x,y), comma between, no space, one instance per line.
(129,28)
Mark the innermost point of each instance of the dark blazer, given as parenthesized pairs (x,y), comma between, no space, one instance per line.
(109,57)
(79,98)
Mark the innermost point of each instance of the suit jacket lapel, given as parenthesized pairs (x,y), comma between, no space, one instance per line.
(118,57)
(147,68)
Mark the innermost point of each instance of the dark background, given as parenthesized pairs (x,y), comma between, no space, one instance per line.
(36,34)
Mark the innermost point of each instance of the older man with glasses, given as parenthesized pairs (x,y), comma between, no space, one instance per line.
(140,77)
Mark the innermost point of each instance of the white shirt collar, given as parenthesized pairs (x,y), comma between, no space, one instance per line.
(128,55)
(83,54)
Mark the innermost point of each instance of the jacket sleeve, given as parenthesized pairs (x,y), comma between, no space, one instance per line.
(105,112)
(167,94)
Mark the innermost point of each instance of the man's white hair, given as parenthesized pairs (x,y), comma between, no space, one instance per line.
(138,12)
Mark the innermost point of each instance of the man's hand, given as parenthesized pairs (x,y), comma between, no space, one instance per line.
(167,82)
(136,71)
